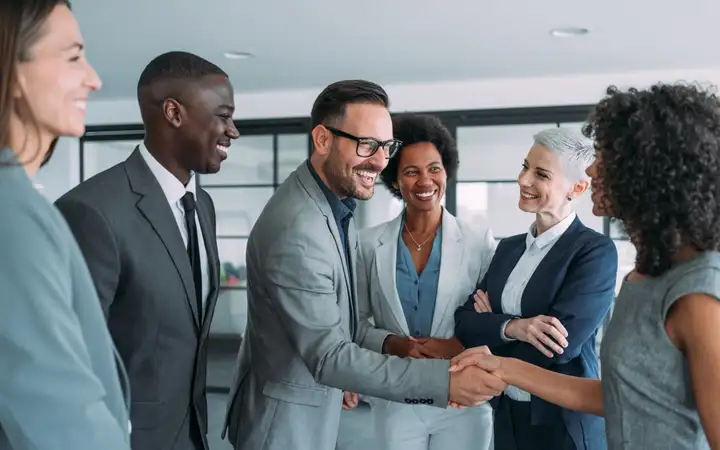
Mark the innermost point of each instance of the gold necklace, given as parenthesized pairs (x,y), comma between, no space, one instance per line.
(418,246)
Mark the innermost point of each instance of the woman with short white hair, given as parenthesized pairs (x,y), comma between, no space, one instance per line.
(544,297)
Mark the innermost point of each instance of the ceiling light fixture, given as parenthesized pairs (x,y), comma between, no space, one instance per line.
(238,55)
(568,32)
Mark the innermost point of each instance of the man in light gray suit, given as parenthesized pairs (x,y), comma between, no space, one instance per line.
(299,353)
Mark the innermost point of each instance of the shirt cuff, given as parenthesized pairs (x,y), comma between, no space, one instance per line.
(503,336)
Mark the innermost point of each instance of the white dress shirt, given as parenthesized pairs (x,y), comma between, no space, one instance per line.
(174,191)
(535,250)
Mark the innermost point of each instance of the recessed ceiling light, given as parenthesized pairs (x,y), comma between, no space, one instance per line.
(238,55)
(568,32)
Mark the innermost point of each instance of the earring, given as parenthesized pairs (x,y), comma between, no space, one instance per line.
(569,199)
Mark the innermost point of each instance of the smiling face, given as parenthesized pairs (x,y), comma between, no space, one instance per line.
(55,80)
(544,187)
(346,173)
(206,124)
(421,177)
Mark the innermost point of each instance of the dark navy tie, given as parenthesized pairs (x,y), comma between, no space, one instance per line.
(193,249)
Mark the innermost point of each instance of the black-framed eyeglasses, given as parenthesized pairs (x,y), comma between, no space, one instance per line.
(366,146)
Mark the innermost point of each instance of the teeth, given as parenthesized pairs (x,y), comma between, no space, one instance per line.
(528,196)
(367,174)
(222,148)
(425,194)
(81,104)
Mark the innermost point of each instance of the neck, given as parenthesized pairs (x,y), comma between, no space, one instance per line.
(546,220)
(423,222)
(316,161)
(157,146)
(29,147)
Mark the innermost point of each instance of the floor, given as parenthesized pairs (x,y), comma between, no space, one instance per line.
(354,431)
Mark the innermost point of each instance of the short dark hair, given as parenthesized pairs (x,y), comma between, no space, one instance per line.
(414,129)
(659,166)
(177,65)
(330,105)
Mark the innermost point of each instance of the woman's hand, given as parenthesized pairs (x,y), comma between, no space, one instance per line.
(350,400)
(545,333)
(482,302)
(437,348)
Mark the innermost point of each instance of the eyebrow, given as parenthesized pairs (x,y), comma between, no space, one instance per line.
(75,46)
(415,166)
(539,169)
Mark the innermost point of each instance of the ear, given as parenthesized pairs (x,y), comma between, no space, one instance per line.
(173,112)
(578,189)
(396,185)
(321,140)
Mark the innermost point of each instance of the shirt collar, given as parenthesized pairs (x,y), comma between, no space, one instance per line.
(172,187)
(341,209)
(551,235)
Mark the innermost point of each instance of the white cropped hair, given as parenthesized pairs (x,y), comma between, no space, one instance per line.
(576,152)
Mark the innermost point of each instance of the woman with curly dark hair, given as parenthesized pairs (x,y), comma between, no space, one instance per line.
(658,173)
(412,272)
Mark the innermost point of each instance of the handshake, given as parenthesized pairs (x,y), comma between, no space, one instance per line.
(475,378)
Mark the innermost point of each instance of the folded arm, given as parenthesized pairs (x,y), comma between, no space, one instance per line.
(581,304)
(301,283)
(50,396)
(474,329)
(97,243)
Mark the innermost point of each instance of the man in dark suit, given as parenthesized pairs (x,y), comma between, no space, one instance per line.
(148,235)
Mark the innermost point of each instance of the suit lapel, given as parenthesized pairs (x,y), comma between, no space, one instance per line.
(496,282)
(452,253)
(353,243)
(155,208)
(208,233)
(385,270)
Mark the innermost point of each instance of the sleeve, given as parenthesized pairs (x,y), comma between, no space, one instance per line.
(368,336)
(474,329)
(97,243)
(49,395)
(300,282)
(489,245)
(581,303)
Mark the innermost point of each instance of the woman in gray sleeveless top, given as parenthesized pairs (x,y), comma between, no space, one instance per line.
(658,172)
(59,383)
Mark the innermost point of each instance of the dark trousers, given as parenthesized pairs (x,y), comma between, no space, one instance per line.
(513,430)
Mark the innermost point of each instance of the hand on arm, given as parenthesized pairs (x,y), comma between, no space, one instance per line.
(692,325)
(545,333)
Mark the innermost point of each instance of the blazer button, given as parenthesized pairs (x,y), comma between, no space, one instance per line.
(407,400)
(430,401)
(423,401)
(415,401)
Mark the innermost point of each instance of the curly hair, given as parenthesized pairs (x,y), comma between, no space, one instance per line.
(659,168)
(414,129)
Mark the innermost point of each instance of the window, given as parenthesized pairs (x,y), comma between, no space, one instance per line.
(101,155)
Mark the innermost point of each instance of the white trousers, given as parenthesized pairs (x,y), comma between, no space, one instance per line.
(421,427)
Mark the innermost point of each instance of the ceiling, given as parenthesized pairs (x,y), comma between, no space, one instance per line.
(310,44)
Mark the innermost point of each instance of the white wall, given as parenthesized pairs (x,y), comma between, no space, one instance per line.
(446,96)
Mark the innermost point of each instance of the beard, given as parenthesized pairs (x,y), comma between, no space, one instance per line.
(341,178)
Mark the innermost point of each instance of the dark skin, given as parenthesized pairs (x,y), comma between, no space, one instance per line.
(421,172)
(188,123)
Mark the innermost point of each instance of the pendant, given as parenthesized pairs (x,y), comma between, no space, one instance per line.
(419,248)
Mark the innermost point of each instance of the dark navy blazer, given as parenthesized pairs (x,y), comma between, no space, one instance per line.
(575,283)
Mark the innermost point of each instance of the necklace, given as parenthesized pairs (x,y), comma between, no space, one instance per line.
(418,247)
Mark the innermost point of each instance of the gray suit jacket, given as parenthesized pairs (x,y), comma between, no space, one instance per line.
(127,232)
(298,353)
(59,384)
(466,254)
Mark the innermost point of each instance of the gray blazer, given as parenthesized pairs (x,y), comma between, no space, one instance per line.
(59,383)
(298,353)
(126,230)
(466,254)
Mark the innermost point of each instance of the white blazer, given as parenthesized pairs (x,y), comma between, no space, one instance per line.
(466,252)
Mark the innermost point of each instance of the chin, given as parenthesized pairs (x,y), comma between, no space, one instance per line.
(526,208)
(362,193)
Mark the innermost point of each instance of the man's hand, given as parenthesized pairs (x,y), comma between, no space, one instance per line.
(482,302)
(407,347)
(470,384)
(545,333)
(438,348)
(480,357)
(350,400)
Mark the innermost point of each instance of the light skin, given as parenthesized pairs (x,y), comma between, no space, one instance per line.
(546,190)
(52,90)
(691,325)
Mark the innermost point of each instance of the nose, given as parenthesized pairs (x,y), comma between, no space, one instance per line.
(590,171)
(424,178)
(379,158)
(92,79)
(524,179)
(232,131)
